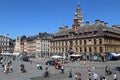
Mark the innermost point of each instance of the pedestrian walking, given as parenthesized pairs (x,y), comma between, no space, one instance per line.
(95,76)
(30,61)
(70,73)
(39,67)
(79,76)
(3,67)
(114,76)
(62,69)
(106,70)
(89,75)
(46,74)
(101,77)
(93,69)
(6,69)
(76,76)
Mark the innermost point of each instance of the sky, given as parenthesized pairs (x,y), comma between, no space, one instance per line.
(30,17)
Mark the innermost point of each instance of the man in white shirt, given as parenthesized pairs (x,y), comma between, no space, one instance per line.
(95,76)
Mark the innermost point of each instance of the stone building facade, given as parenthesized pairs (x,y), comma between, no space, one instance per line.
(38,44)
(4,44)
(97,38)
(43,47)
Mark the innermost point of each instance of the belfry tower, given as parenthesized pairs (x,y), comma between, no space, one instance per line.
(79,19)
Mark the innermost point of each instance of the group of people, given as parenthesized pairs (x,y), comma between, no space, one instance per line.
(78,76)
(92,75)
(6,67)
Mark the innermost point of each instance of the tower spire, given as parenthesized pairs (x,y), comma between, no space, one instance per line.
(79,19)
(79,15)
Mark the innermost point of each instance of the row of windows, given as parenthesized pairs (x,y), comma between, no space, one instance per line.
(4,43)
(81,50)
(43,44)
(90,49)
(78,35)
(70,43)
(43,41)
(2,39)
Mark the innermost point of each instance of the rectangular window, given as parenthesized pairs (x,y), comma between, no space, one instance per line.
(84,42)
(100,41)
(101,49)
(85,49)
(66,50)
(71,43)
(65,43)
(62,43)
(95,49)
(62,49)
(80,49)
(94,41)
(80,42)
(76,49)
(76,42)
(89,49)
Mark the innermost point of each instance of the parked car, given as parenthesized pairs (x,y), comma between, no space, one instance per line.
(50,62)
(24,58)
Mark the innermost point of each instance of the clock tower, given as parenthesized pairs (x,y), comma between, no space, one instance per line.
(78,19)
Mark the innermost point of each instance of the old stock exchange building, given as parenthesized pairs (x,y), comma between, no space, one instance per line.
(97,38)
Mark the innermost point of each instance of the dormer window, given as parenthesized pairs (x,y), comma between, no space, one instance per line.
(95,32)
(85,34)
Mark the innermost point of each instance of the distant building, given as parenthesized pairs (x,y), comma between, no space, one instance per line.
(43,47)
(19,44)
(116,26)
(4,43)
(38,44)
(88,39)
(30,47)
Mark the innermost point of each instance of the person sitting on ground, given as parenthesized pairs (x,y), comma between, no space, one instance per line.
(22,68)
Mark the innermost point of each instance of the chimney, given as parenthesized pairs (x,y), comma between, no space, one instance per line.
(106,24)
(102,22)
(61,28)
(66,27)
(97,21)
(87,23)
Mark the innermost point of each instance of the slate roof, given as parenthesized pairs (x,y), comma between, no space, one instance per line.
(64,32)
(100,27)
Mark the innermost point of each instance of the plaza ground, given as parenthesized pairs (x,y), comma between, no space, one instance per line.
(34,74)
